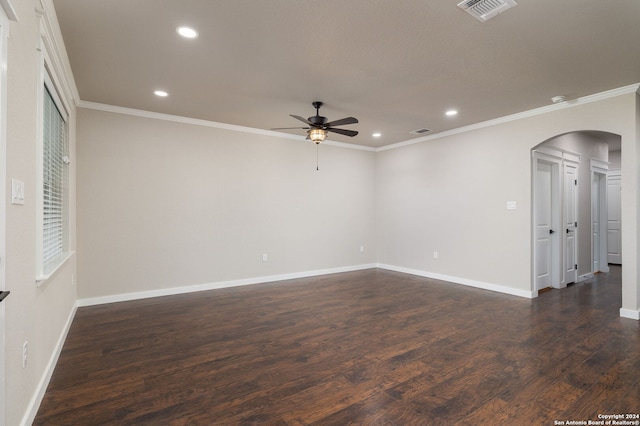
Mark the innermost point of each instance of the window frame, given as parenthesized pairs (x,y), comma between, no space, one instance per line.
(45,269)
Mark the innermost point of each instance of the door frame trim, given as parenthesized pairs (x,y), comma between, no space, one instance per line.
(600,168)
(573,163)
(617,174)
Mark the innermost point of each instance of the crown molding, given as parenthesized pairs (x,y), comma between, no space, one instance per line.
(9,10)
(207,123)
(632,88)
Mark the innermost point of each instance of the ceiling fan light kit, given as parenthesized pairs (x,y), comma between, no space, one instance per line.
(318,126)
(317,135)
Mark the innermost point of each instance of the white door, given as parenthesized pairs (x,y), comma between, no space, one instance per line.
(544,225)
(614,219)
(595,221)
(570,221)
(546,229)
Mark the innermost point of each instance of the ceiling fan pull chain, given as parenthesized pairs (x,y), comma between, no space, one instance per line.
(317,149)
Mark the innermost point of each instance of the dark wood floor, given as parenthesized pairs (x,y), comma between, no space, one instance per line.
(371,347)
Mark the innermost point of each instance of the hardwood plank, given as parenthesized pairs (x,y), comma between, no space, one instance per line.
(369,347)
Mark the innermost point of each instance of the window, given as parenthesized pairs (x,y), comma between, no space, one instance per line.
(55,128)
(54,159)
(53,186)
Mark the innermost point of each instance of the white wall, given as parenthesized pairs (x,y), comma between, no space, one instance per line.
(615,160)
(164,204)
(449,195)
(38,315)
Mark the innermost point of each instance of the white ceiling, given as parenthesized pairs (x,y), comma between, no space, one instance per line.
(395,65)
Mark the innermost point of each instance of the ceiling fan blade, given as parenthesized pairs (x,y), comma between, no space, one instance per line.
(304,120)
(345,132)
(343,121)
(290,128)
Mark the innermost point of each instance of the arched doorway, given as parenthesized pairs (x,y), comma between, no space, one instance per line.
(569,220)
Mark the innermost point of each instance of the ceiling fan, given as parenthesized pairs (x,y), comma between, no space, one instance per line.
(318,126)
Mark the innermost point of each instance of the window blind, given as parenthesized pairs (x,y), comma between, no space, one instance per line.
(54,170)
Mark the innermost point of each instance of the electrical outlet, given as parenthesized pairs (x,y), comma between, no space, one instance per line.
(435,254)
(265,257)
(361,249)
(25,353)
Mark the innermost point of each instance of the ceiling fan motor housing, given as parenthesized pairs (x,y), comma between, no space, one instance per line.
(317,120)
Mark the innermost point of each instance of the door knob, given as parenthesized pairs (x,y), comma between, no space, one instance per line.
(551,231)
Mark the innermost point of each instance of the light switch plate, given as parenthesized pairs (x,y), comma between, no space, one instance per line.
(511,205)
(17,192)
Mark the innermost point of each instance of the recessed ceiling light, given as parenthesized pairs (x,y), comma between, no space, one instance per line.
(161,93)
(451,112)
(558,99)
(187,32)
(377,135)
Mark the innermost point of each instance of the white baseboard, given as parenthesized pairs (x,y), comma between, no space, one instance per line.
(464,281)
(36,399)
(630,313)
(585,277)
(217,285)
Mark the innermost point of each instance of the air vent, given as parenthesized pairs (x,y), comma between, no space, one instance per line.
(420,131)
(483,10)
